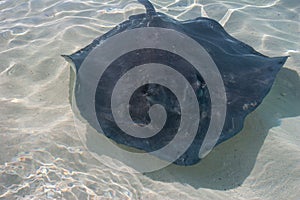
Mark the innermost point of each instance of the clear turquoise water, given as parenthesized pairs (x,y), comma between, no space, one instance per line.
(41,154)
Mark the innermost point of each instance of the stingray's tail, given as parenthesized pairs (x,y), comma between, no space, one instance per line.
(149,7)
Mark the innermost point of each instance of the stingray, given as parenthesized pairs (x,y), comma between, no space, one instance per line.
(247,77)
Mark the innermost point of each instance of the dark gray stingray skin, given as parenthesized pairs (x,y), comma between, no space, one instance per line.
(247,75)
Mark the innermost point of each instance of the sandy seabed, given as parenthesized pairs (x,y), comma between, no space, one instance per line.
(41,154)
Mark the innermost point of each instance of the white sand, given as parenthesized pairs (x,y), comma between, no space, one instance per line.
(41,155)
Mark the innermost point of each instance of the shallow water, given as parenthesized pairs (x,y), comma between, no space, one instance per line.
(41,155)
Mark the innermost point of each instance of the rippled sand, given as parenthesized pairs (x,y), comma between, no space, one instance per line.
(41,155)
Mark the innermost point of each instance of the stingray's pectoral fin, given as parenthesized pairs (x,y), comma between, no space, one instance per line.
(278,62)
(282,59)
(71,61)
(149,7)
(67,58)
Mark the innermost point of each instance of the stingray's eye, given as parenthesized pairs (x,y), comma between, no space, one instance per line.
(156,90)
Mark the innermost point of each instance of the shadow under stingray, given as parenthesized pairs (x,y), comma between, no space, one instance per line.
(230,163)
